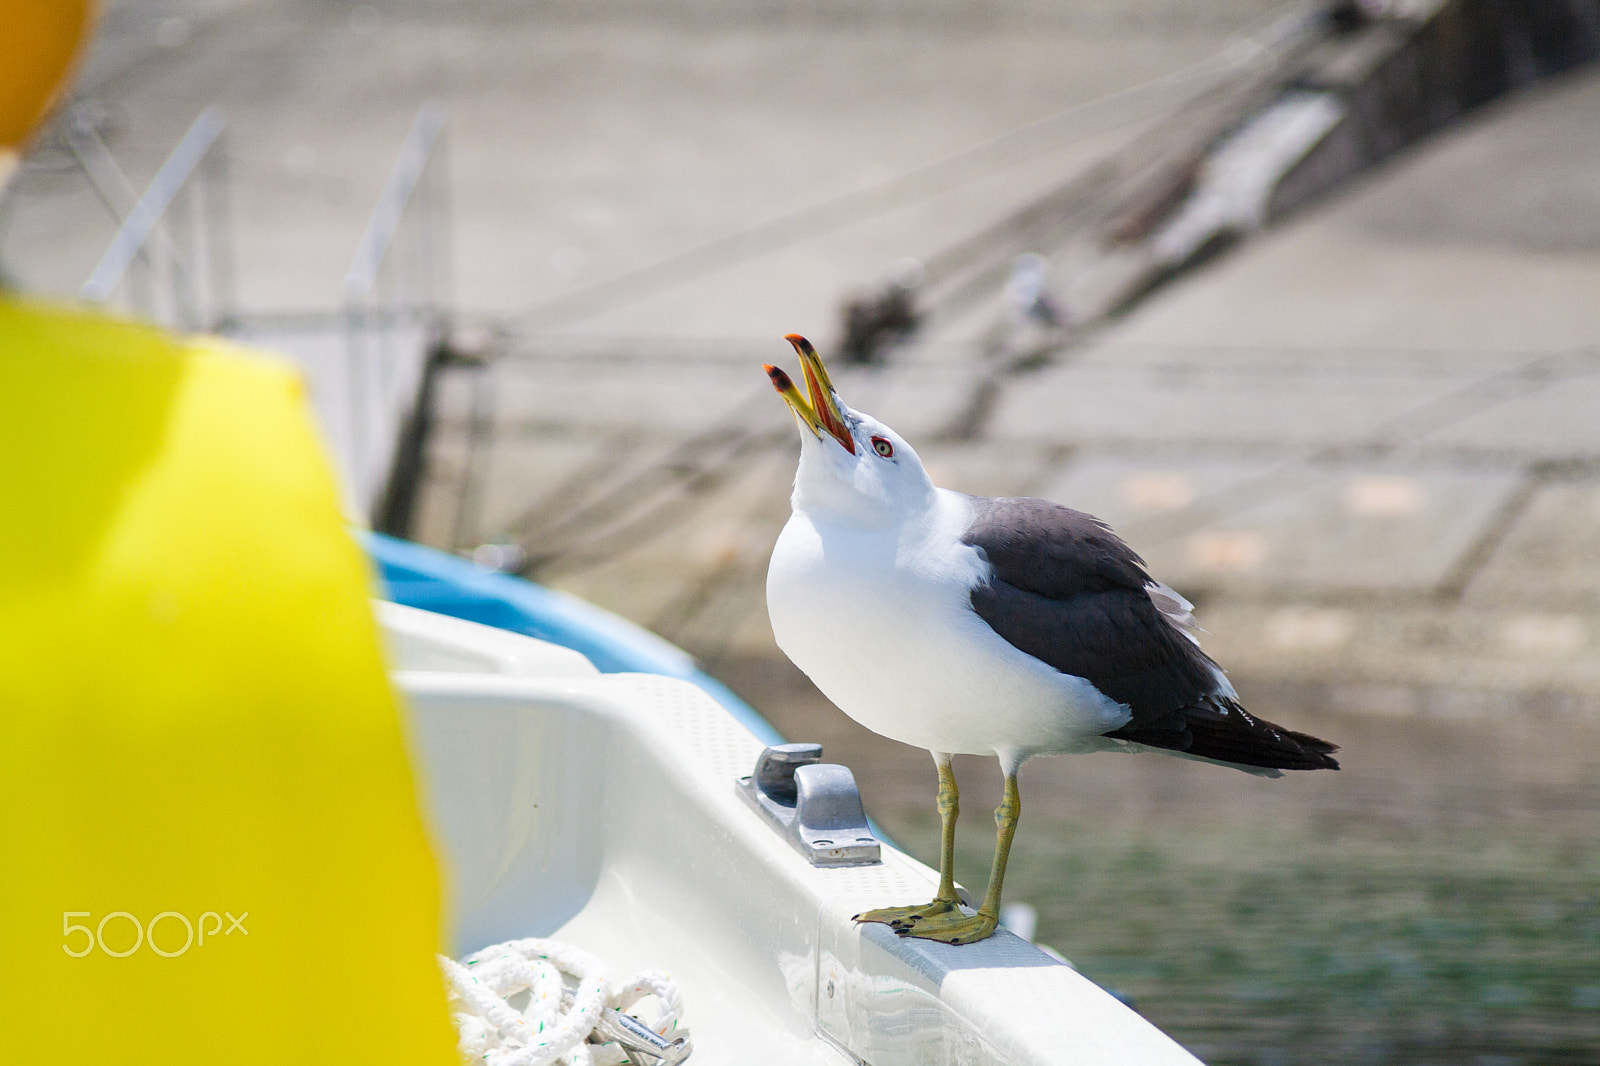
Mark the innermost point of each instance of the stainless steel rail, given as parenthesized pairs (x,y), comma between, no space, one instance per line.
(406,185)
(395,292)
(165,218)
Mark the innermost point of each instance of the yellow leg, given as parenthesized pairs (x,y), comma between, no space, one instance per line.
(949,802)
(902,918)
(958,928)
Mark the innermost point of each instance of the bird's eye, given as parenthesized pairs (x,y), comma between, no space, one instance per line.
(882,446)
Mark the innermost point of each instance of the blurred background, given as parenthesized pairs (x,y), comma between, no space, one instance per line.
(1304,299)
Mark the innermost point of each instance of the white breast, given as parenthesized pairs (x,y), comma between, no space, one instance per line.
(881,620)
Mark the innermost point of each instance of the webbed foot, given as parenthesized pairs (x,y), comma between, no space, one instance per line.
(901,919)
(954,927)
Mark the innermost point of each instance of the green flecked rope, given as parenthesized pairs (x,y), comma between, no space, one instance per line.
(558,1018)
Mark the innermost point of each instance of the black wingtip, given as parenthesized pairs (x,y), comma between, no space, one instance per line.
(1225,732)
(1315,749)
(1239,736)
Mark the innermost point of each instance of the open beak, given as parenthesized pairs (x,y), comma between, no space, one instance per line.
(821,415)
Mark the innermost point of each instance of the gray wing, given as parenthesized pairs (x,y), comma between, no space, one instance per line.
(1065,589)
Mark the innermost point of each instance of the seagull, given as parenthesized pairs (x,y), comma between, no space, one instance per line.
(1011,627)
(1027,294)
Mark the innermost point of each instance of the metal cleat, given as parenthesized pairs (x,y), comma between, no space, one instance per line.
(815,805)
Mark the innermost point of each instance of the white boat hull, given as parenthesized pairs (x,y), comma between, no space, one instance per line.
(603,810)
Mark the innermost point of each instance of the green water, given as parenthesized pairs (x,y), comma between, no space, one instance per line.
(1368,943)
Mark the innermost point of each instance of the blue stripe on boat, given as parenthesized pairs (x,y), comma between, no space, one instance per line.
(436,581)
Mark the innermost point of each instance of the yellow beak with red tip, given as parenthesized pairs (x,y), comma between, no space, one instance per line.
(821,414)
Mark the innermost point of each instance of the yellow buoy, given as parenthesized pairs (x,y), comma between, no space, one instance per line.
(209,833)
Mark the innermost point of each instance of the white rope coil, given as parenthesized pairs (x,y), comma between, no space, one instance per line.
(559,1014)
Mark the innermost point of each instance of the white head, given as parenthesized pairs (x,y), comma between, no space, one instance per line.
(851,464)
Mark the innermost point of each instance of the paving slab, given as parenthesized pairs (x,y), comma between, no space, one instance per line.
(1132,493)
(921,403)
(1559,422)
(1303,404)
(1416,660)
(1398,528)
(1549,558)
(988,468)
(661,577)
(793,277)
(618,398)
(520,478)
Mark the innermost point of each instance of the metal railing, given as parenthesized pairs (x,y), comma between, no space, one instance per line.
(171,262)
(395,293)
(173,246)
